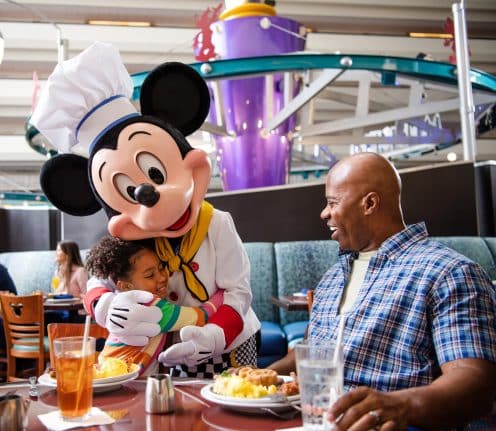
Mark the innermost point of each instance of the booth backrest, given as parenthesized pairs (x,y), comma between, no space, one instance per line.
(263,279)
(277,269)
(31,270)
(301,264)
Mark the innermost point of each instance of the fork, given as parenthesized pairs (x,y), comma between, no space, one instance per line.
(291,414)
(283,399)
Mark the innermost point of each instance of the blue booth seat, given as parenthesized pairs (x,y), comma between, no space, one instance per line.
(273,345)
(295,332)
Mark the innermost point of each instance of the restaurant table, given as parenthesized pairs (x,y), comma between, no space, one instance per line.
(291,302)
(63,305)
(192,411)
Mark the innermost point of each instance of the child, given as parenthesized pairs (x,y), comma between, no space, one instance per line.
(132,265)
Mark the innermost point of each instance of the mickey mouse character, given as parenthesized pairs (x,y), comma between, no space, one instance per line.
(151,183)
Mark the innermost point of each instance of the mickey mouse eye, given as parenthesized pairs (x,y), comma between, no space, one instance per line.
(152,167)
(125,187)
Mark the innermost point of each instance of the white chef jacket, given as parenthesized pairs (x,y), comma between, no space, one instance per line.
(222,263)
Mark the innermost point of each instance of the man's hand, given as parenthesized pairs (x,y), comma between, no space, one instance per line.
(366,409)
(124,315)
(197,345)
(463,392)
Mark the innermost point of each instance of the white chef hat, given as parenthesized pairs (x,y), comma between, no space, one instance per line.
(83,98)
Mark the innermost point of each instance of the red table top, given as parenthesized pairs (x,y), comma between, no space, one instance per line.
(192,411)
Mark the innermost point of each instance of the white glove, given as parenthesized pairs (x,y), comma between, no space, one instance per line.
(132,322)
(102,306)
(197,345)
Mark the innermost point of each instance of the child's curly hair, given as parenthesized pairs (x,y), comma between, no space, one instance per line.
(111,258)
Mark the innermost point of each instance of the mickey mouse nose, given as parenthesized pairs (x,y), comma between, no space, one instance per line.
(146,195)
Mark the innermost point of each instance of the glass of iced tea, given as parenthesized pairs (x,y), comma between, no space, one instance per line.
(74,359)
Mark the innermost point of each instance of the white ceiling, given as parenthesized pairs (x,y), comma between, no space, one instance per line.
(30,29)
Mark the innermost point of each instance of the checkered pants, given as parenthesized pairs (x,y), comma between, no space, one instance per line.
(245,354)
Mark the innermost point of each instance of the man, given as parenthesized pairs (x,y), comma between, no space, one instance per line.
(420,318)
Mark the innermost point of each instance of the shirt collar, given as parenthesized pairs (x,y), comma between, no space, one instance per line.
(395,244)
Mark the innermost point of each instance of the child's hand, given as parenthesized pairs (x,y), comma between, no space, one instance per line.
(129,319)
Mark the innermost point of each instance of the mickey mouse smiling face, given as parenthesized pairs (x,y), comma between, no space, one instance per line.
(141,169)
(146,181)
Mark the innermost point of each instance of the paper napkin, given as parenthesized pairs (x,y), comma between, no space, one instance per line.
(53,420)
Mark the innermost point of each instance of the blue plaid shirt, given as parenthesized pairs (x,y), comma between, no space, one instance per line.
(421,304)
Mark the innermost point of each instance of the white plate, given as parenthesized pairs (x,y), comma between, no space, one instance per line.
(135,368)
(247,405)
(100,385)
(61,300)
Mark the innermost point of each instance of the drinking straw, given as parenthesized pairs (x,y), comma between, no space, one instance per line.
(339,338)
(83,358)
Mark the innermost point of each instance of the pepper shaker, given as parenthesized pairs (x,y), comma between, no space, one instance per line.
(159,394)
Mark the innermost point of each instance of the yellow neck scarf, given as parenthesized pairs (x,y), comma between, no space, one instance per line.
(189,246)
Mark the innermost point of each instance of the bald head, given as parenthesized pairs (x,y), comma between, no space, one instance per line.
(368,172)
(363,202)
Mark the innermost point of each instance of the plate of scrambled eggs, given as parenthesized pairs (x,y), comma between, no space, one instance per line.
(108,374)
(109,370)
(236,393)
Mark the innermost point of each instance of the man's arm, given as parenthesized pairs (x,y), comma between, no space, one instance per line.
(286,365)
(465,391)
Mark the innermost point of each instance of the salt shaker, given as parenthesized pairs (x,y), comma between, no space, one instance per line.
(159,394)
(33,388)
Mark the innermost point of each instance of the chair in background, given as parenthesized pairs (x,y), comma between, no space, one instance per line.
(3,363)
(23,322)
(58,330)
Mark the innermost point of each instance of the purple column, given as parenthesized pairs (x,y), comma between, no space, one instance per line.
(250,160)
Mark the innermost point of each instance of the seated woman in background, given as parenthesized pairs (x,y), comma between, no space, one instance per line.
(132,265)
(70,275)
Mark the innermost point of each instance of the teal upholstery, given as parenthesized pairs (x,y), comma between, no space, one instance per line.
(300,265)
(32,348)
(277,269)
(31,270)
(263,279)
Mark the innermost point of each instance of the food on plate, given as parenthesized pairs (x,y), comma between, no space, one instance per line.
(106,367)
(248,382)
(232,385)
(109,367)
(258,376)
(289,388)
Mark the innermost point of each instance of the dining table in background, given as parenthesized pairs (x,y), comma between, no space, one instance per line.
(51,305)
(127,406)
(291,302)
(75,308)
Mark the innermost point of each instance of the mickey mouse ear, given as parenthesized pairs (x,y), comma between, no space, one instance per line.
(64,180)
(177,94)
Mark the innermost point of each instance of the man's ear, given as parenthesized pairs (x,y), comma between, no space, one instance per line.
(177,94)
(65,182)
(370,202)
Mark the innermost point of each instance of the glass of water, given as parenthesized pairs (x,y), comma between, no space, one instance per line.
(320,377)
